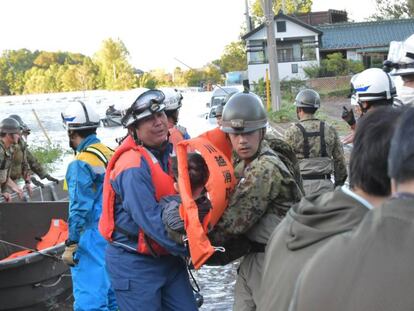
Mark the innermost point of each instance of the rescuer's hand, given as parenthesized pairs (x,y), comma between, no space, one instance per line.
(7,196)
(174,225)
(69,253)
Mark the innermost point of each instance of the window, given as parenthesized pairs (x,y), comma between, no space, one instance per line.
(281,26)
(257,52)
(288,52)
(295,68)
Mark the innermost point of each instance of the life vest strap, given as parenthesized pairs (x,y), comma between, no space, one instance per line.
(98,153)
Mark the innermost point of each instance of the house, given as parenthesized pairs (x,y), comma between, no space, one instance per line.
(300,44)
(297,47)
(367,41)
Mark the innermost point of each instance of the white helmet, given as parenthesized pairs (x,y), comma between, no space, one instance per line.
(401,57)
(146,104)
(373,84)
(80,116)
(173,99)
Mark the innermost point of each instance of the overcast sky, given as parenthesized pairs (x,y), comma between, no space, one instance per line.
(154,31)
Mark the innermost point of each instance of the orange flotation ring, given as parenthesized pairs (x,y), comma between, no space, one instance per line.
(219,186)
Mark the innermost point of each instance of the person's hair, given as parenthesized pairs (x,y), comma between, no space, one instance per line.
(380,102)
(401,156)
(368,163)
(309,110)
(85,133)
(408,78)
(197,170)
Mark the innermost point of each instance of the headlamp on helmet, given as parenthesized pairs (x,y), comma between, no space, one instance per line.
(146,104)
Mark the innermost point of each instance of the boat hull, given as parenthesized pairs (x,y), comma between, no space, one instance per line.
(39,280)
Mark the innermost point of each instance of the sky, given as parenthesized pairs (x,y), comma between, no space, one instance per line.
(155,32)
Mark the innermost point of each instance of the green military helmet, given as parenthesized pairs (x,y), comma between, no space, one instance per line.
(308,99)
(9,126)
(243,113)
(23,126)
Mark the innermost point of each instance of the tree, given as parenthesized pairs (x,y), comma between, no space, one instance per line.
(291,6)
(115,72)
(234,57)
(393,9)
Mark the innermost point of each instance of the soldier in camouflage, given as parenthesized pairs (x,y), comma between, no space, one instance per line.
(264,193)
(9,135)
(317,146)
(23,162)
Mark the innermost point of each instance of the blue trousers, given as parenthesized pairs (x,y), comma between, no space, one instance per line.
(146,283)
(91,286)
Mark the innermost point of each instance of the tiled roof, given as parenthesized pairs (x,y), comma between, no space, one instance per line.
(366,34)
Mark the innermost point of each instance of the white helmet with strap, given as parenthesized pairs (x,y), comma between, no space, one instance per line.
(373,84)
(80,116)
(172,99)
(401,57)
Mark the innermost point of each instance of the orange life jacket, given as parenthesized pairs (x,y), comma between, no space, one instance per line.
(220,184)
(175,136)
(58,233)
(219,139)
(162,182)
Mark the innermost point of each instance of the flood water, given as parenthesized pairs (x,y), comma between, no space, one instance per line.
(216,283)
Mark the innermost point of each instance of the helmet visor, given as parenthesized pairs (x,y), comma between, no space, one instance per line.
(146,104)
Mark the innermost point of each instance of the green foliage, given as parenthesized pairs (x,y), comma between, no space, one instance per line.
(148,81)
(115,72)
(47,155)
(334,65)
(287,113)
(234,57)
(291,6)
(393,9)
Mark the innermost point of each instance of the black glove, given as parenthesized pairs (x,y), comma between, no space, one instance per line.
(235,248)
(48,177)
(348,116)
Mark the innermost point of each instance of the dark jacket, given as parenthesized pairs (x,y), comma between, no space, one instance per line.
(307,227)
(368,269)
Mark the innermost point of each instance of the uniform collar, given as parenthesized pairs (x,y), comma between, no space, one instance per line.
(89,140)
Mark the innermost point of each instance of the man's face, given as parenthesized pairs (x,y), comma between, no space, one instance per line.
(245,144)
(153,130)
(12,139)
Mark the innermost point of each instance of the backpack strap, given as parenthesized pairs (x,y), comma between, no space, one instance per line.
(3,163)
(306,135)
(98,154)
(323,142)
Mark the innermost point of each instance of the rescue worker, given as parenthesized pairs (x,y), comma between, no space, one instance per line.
(371,267)
(24,163)
(311,223)
(316,145)
(173,103)
(218,114)
(401,61)
(85,247)
(9,136)
(144,264)
(264,193)
(370,89)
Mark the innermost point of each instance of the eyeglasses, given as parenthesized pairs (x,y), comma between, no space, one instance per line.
(151,100)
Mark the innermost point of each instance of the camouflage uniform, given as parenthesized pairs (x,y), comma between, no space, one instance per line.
(265,192)
(317,167)
(5,163)
(24,163)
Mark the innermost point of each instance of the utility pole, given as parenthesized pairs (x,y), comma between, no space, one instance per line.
(272,54)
